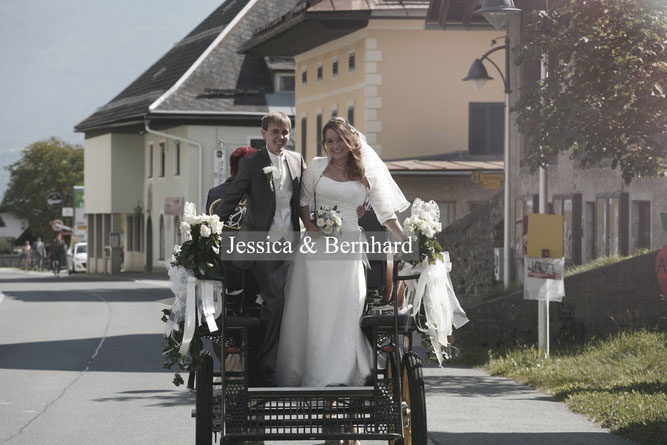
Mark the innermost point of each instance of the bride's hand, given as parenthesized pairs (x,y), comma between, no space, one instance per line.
(310,227)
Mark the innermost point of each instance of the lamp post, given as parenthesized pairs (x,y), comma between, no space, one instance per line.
(498,12)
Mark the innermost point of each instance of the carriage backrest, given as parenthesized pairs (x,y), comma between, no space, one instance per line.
(377,274)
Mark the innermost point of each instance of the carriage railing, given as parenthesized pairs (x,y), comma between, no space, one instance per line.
(372,412)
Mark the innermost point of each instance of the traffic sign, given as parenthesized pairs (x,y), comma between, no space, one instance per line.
(59,226)
(54,200)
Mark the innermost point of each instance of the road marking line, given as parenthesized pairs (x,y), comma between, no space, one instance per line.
(66,388)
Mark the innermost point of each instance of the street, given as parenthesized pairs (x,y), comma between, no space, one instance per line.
(80,363)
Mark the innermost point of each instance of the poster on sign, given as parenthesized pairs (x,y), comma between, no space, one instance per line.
(543,279)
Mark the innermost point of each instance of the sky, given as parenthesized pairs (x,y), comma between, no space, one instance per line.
(62,59)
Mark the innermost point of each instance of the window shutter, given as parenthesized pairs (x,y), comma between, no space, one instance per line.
(486,128)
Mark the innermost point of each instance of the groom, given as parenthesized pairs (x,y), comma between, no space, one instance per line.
(271,181)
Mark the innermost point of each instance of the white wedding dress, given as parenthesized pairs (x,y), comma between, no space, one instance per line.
(321,342)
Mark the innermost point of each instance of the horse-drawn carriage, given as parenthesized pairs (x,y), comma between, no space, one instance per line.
(390,406)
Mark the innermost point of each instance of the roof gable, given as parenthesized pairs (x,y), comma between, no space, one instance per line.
(185,70)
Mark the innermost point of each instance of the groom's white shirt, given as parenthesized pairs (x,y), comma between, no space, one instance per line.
(281,226)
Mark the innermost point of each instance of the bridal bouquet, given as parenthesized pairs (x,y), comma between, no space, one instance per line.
(192,263)
(327,220)
(424,224)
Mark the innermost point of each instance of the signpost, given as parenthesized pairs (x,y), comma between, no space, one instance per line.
(544,266)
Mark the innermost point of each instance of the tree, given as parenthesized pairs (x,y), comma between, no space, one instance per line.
(45,166)
(604,94)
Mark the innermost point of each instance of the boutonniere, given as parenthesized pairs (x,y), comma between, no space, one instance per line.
(268,172)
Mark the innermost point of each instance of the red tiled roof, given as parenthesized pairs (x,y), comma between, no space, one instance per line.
(366,5)
(414,165)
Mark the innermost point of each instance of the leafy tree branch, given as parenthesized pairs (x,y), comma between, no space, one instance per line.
(604,94)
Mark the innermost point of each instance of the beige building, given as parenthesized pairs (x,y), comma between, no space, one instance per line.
(399,83)
(156,145)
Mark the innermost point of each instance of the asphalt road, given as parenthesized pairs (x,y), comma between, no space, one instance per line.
(80,363)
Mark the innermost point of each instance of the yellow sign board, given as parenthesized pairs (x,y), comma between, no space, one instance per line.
(492,181)
(476,177)
(545,236)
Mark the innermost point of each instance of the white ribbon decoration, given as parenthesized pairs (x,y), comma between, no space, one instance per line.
(190,305)
(435,291)
(209,296)
(192,296)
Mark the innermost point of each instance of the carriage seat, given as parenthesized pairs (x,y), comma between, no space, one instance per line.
(386,321)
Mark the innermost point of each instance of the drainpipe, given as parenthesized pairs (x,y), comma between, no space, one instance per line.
(200,148)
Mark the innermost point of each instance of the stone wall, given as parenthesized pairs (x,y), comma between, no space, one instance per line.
(470,242)
(620,296)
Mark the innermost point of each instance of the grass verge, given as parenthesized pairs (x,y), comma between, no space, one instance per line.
(619,383)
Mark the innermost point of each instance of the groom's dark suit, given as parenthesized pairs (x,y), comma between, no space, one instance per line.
(261,207)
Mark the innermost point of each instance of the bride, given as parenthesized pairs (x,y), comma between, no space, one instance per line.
(321,342)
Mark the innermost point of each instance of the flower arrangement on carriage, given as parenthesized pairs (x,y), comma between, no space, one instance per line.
(434,304)
(192,270)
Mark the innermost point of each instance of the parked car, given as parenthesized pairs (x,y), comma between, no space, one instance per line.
(77,257)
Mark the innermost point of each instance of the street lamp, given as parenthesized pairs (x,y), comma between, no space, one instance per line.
(498,12)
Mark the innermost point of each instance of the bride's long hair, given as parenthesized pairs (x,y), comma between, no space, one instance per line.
(353,167)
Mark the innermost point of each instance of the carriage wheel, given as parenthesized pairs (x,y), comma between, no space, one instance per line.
(204,403)
(412,394)
(412,389)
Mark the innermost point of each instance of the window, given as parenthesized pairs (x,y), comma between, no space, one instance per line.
(150,161)
(319,134)
(304,76)
(138,225)
(161,240)
(589,232)
(641,224)
(569,206)
(162,154)
(334,67)
(350,114)
(303,136)
(350,62)
(257,143)
(447,212)
(319,72)
(284,82)
(611,218)
(334,112)
(177,159)
(129,233)
(177,230)
(486,128)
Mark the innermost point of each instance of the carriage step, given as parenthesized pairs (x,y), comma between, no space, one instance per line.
(299,391)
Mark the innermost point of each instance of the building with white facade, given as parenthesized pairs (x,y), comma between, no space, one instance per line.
(157,144)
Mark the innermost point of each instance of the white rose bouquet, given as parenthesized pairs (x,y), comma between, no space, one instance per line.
(424,224)
(327,220)
(201,247)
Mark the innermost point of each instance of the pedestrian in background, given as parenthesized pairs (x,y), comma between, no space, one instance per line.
(39,251)
(59,254)
(26,255)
